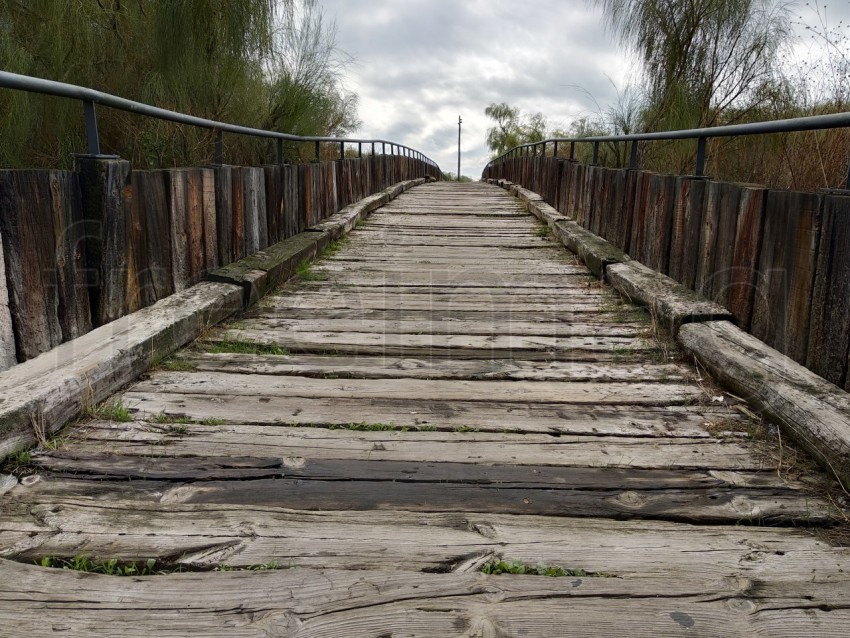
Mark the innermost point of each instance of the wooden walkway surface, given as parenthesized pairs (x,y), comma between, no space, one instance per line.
(459,395)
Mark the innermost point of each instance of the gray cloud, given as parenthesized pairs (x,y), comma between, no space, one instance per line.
(418,65)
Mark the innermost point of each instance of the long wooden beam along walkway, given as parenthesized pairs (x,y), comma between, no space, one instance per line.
(449,394)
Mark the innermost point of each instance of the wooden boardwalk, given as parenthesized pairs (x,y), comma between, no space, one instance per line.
(459,395)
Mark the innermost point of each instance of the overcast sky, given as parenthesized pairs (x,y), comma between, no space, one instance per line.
(420,64)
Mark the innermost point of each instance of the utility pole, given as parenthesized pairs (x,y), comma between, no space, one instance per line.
(459,122)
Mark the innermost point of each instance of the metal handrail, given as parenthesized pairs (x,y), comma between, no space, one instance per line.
(90,97)
(791,125)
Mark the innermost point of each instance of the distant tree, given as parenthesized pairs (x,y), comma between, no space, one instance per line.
(304,72)
(260,63)
(705,61)
(448,176)
(512,128)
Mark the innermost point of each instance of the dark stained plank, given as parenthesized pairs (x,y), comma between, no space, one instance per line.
(781,313)
(774,506)
(829,339)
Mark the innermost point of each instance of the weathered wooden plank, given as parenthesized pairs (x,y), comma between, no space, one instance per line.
(224,215)
(105,188)
(151,239)
(714,505)
(659,222)
(748,238)
(814,412)
(377,300)
(208,198)
(687,222)
(201,536)
(402,326)
(605,393)
(829,338)
(28,234)
(195,244)
(787,271)
(346,603)
(394,367)
(239,210)
(178,205)
(428,345)
(7,334)
(505,447)
(494,416)
(86,466)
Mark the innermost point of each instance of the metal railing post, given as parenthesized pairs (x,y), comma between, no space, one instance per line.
(572,151)
(219,147)
(318,156)
(633,158)
(359,150)
(700,157)
(92,136)
(555,151)
(279,151)
(595,153)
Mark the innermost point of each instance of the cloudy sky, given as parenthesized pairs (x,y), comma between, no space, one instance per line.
(420,64)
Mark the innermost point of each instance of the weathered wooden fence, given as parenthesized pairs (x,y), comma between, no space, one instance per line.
(81,249)
(778,260)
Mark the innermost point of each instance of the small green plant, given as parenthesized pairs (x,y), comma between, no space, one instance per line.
(543,232)
(497,567)
(305,272)
(111,567)
(334,247)
(467,428)
(381,427)
(112,410)
(211,422)
(177,365)
(228,346)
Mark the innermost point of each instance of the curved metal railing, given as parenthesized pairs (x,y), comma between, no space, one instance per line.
(792,125)
(91,97)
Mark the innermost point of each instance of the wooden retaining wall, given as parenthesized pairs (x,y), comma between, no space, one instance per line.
(79,249)
(778,260)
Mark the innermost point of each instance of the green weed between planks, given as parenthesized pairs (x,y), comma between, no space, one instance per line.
(497,567)
(239,347)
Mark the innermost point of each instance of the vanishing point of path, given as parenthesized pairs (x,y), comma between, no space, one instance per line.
(447,394)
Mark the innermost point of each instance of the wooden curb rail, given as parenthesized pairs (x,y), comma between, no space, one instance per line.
(812,411)
(38,396)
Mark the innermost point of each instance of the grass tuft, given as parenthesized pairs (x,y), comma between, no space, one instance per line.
(381,427)
(111,567)
(497,567)
(305,272)
(111,410)
(240,347)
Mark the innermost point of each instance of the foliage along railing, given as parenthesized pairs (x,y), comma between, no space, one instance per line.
(778,260)
(81,248)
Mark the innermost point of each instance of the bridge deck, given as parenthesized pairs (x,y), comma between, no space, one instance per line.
(458,391)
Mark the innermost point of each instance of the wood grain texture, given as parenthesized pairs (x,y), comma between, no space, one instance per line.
(451,397)
(787,265)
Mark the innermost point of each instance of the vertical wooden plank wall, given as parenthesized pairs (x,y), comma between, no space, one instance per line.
(44,261)
(778,260)
(81,249)
(829,339)
(7,332)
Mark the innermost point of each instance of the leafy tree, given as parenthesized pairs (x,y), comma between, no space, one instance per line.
(705,61)
(227,60)
(305,73)
(512,128)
